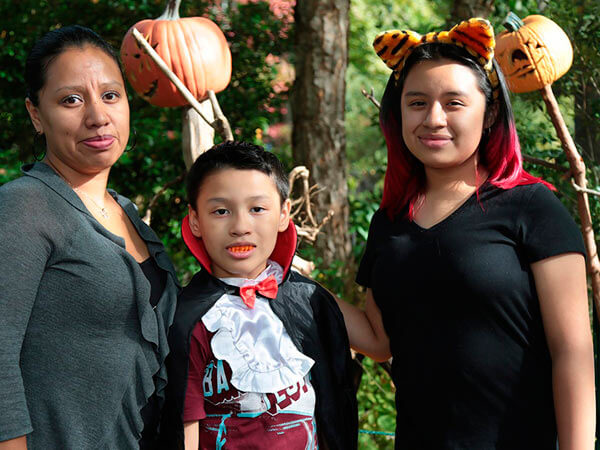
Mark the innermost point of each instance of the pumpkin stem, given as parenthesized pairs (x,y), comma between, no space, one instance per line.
(513,22)
(171,11)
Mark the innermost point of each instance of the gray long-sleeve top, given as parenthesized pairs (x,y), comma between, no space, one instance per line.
(81,348)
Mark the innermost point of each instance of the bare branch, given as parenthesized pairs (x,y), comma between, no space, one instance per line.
(301,210)
(543,162)
(220,125)
(148,215)
(303,266)
(221,122)
(586,190)
(384,365)
(371,96)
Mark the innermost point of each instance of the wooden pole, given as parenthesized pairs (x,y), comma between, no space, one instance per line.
(578,173)
(196,135)
(220,124)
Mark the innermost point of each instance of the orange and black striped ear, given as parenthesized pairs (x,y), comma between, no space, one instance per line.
(475,35)
(394,46)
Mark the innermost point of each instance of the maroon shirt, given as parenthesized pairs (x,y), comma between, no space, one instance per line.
(230,419)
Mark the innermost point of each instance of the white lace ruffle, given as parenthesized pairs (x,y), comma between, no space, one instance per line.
(254,342)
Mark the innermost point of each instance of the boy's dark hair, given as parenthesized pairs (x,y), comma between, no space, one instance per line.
(235,155)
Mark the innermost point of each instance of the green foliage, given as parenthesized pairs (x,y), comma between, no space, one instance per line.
(376,410)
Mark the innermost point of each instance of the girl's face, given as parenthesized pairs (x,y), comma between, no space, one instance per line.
(443,113)
(83,110)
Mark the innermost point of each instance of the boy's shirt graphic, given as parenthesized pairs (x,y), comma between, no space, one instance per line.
(248,385)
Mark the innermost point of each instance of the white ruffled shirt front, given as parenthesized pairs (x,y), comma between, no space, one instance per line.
(254,342)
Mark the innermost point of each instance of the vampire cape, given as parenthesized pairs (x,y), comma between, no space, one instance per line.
(313,321)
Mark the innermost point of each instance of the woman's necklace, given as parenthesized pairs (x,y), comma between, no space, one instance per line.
(103,212)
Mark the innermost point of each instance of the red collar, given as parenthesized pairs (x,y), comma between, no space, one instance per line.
(283,253)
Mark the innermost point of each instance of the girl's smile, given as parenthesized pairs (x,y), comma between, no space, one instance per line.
(435,141)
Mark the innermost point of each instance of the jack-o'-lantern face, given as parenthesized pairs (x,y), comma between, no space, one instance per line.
(194,48)
(533,53)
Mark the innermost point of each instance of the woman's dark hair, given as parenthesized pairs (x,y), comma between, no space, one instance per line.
(499,149)
(51,45)
(239,156)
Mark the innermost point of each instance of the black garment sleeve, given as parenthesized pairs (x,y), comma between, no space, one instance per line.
(546,227)
(363,276)
(337,409)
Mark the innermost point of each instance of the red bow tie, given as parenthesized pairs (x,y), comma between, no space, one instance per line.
(266,288)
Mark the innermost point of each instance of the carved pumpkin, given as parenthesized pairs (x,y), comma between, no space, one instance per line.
(194,48)
(533,52)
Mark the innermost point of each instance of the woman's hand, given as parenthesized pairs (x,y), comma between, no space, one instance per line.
(365,329)
(19,443)
(561,285)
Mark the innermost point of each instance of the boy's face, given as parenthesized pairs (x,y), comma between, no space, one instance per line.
(238,215)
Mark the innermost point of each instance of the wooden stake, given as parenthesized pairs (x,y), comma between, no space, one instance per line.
(578,172)
(221,125)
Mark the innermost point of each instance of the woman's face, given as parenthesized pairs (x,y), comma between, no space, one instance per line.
(443,112)
(83,110)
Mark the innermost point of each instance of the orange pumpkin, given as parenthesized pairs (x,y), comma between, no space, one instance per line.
(533,52)
(194,48)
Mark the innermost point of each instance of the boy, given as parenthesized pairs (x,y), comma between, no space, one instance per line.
(259,354)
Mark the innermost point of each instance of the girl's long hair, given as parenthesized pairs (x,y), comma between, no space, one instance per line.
(499,149)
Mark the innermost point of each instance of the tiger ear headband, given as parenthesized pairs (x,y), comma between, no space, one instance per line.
(474,35)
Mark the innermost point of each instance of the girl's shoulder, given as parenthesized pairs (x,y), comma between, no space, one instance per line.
(521,192)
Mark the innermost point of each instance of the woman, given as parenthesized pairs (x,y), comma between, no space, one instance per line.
(88,292)
(475,272)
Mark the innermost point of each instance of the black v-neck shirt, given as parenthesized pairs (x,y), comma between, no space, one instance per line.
(471,364)
(156,277)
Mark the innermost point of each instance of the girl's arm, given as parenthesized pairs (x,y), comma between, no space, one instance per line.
(561,286)
(365,329)
(191,432)
(19,443)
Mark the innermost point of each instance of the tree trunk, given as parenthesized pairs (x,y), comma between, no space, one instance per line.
(465,9)
(317,104)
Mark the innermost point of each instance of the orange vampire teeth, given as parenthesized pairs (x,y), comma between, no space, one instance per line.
(241,248)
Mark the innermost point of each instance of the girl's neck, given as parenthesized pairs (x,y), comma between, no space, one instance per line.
(455,181)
